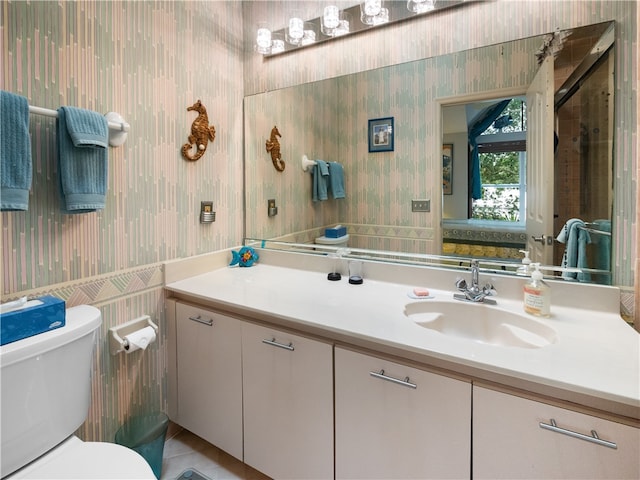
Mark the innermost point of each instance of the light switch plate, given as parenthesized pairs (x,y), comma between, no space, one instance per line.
(207,215)
(272,210)
(420,205)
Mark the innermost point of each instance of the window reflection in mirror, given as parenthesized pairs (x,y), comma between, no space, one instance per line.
(491,225)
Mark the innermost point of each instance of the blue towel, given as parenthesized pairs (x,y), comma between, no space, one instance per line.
(83,137)
(575,253)
(320,174)
(602,242)
(15,152)
(336,180)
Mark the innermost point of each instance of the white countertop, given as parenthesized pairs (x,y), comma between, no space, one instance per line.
(594,362)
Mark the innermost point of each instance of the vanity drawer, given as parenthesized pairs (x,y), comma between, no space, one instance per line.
(514,437)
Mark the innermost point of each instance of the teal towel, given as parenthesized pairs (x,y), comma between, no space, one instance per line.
(336,180)
(15,152)
(602,243)
(575,253)
(83,137)
(320,173)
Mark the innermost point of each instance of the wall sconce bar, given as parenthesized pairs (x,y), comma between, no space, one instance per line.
(358,21)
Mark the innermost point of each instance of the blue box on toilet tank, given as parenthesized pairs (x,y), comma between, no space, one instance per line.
(32,320)
(335,232)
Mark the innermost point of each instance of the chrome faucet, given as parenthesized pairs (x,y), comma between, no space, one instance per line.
(474,293)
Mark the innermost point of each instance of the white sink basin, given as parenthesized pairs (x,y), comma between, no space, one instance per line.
(481,323)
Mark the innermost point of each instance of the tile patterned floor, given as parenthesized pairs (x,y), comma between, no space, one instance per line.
(183,450)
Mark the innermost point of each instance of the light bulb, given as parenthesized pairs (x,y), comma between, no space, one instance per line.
(420,6)
(263,39)
(372,7)
(331,17)
(296,28)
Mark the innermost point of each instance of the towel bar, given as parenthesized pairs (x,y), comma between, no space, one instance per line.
(118,128)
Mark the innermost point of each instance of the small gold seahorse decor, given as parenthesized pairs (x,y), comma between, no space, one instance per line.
(273,147)
(201,133)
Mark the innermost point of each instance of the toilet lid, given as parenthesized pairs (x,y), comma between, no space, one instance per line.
(75,459)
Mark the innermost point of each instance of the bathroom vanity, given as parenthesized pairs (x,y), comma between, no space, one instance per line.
(301,377)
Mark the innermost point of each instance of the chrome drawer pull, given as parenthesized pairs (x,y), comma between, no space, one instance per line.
(382,376)
(279,345)
(593,438)
(201,320)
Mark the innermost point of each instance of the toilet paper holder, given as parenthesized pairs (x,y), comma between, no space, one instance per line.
(117,342)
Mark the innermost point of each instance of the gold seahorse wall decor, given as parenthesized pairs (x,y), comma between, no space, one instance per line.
(201,133)
(273,147)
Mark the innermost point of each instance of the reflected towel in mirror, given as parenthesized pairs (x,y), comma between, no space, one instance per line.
(320,178)
(336,180)
(575,253)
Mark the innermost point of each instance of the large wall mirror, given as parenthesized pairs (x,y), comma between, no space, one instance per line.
(433,102)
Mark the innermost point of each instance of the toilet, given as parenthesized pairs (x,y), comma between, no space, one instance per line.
(46,390)
(334,242)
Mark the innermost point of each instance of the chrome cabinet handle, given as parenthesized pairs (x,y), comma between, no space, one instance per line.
(404,383)
(199,319)
(279,345)
(593,438)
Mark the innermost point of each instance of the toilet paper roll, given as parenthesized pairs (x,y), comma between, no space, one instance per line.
(139,339)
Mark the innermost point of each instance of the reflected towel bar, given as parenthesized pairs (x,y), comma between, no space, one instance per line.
(307,164)
(595,230)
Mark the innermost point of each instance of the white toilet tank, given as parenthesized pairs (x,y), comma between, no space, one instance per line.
(46,387)
(342,241)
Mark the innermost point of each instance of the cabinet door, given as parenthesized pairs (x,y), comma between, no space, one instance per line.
(509,442)
(288,404)
(209,371)
(393,421)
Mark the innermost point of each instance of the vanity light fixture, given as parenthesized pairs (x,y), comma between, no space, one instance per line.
(334,22)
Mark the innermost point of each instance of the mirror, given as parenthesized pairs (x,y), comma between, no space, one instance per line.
(328,120)
(494,224)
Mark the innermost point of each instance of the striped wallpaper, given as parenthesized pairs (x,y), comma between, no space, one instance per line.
(149,61)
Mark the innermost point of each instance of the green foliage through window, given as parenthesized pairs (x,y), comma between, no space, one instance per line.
(502,178)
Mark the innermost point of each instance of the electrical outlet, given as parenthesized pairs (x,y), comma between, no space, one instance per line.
(420,205)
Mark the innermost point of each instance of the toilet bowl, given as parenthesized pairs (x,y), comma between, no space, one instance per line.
(334,242)
(74,459)
(45,394)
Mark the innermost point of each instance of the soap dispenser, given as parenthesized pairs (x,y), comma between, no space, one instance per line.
(525,268)
(537,294)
